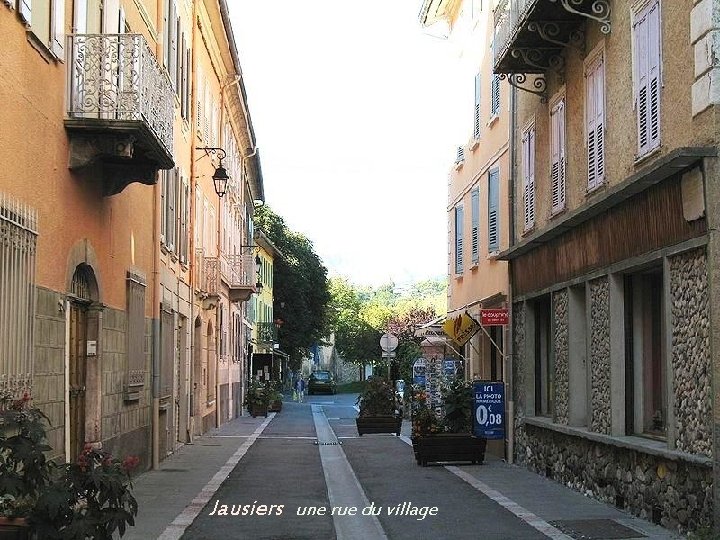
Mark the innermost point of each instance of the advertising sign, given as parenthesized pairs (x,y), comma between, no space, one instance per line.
(494,317)
(489,408)
(461,328)
(419,371)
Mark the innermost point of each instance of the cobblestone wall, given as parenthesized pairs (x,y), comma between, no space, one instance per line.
(600,407)
(678,492)
(691,352)
(562,373)
(519,378)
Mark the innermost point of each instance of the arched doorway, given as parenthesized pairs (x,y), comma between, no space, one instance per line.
(83,344)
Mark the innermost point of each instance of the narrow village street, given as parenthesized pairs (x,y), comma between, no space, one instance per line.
(309,457)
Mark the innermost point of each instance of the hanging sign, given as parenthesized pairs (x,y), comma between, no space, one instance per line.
(489,408)
(461,328)
(494,317)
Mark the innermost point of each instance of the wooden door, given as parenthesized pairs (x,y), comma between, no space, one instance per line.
(78,359)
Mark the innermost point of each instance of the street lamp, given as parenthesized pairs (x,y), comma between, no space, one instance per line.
(220,177)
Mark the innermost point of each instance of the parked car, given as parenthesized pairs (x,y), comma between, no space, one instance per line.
(321,381)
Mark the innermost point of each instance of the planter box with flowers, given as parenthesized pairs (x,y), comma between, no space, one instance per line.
(88,499)
(257,400)
(447,438)
(378,411)
(276,398)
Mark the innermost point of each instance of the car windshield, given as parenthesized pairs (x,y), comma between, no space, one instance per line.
(322,375)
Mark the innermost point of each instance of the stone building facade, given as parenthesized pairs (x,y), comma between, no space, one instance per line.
(612,261)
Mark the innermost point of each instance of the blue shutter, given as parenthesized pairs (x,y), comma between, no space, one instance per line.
(458,239)
(476,117)
(475,211)
(493,210)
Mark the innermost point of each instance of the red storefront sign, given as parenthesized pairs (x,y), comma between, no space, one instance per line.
(494,317)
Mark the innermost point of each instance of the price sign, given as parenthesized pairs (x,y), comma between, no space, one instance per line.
(489,407)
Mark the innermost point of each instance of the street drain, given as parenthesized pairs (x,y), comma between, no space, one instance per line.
(595,529)
(336,443)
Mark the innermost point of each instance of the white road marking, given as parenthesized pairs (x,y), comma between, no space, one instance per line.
(528,517)
(343,487)
(185,518)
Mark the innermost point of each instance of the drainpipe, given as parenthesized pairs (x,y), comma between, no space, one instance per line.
(508,329)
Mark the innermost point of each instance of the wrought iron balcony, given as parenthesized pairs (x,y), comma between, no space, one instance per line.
(267,333)
(120,109)
(236,272)
(530,35)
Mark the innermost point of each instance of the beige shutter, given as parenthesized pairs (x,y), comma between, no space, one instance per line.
(557,162)
(528,149)
(595,118)
(646,48)
(57,29)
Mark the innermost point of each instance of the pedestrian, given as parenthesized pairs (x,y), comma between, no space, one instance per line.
(300,388)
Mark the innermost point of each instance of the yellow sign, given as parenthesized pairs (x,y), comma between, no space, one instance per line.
(461,328)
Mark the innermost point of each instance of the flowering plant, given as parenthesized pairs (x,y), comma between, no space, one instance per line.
(24,470)
(424,419)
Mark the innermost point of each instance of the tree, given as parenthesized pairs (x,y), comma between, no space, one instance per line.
(301,292)
(356,340)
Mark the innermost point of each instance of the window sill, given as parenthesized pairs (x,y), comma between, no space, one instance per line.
(458,277)
(493,255)
(529,230)
(641,160)
(474,143)
(459,165)
(40,47)
(630,442)
(474,266)
(494,118)
(557,212)
(597,189)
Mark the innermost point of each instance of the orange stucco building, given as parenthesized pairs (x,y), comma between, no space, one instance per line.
(109,217)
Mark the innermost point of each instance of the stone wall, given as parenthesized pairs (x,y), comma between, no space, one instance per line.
(677,494)
(600,403)
(519,379)
(125,424)
(562,373)
(49,366)
(691,352)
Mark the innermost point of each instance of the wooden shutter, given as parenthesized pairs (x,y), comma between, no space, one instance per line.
(458,239)
(595,122)
(493,210)
(557,161)
(475,217)
(528,150)
(57,29)
(25,9)
(476,117)
(200,100)
(163,205)
(495,97)
(646,37)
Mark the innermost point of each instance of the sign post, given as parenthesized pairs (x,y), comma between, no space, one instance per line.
(489,408)
(388,343)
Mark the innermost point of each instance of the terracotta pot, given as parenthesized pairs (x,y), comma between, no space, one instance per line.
(378,424)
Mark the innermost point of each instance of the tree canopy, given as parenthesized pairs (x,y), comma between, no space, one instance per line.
(301,290)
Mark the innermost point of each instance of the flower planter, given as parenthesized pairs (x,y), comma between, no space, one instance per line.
(275,406)
(449,447)
(258,410)
(14,529)
(378,424)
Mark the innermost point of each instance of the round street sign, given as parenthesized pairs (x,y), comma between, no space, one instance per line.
(388,342)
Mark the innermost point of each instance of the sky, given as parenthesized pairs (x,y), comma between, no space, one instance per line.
(356,111)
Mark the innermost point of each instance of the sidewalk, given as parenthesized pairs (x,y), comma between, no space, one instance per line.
(188,478)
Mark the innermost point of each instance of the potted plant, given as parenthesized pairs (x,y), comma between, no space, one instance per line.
(24,469)
(41,499)
(452,439)
(258,399)
(276,398)
(378,411)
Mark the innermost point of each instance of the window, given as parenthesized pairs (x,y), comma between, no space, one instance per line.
(494,210)
(595,120)
(475,216)
(646,75)
(184,220)
(199,88)
(544,365)
(459,239)
(170,43)
(184,61)
(47,22)
(136,329)
(645,373)
(557,154)
(476,117)
(18,240)
(168,219)
(494,88)
(528,172)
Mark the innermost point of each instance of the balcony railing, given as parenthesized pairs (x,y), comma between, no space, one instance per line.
(237,272)
(115,79)
(266,333)
(531,34)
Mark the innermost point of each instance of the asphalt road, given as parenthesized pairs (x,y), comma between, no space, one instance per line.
(309,462)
